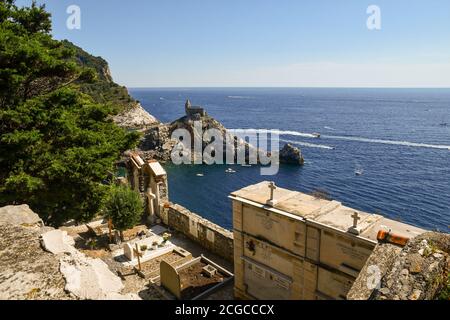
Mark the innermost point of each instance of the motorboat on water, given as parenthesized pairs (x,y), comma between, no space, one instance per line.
(229,170)
(316,134)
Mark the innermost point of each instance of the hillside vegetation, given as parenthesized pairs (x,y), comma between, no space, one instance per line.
(104,89)
(58,142)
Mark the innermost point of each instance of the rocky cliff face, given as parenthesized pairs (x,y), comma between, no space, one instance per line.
(420,272)
(130,115)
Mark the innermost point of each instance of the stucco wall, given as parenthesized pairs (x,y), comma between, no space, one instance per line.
(209,235)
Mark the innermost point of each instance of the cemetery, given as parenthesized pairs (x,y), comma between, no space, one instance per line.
(285,245)
(143,255)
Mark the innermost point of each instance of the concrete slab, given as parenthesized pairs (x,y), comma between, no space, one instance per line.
(158,229)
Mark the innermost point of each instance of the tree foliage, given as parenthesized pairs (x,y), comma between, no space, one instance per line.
(57,143)
(124,207)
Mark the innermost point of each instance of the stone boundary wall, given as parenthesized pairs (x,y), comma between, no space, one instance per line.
(200,230)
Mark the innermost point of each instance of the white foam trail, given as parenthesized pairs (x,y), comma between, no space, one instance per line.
(274,131)
(392,142)
(310,145)
(347,138)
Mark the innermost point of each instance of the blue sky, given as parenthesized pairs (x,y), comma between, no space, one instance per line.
(180,43)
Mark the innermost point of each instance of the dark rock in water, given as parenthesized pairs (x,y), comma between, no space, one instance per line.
(291,155)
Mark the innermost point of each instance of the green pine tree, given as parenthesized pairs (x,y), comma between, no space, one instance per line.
(124,207)
(57,143)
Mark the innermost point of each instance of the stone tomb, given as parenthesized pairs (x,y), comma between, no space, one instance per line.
(150,179)
(189,281)
(290,245)
(151,251)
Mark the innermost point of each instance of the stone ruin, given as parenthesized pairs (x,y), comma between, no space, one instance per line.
(193,111)
(149,179)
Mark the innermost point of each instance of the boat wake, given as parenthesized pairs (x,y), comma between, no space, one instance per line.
(391,142)
(346,138)
(273,131)
(310,145)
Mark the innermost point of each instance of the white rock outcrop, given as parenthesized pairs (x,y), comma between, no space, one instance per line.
(57,241)
(38,263)
(86,278)
(19,216)
(135,118)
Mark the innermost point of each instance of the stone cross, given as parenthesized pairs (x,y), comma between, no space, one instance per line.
(355,217)
(272,188)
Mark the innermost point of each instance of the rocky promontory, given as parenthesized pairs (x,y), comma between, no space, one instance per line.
(157,142)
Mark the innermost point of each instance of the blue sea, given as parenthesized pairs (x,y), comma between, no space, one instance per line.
(399,139)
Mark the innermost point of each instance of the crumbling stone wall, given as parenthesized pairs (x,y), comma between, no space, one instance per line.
(419,271)
(378,264)
(209,235)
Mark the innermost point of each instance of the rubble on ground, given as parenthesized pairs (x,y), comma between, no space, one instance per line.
(38,262)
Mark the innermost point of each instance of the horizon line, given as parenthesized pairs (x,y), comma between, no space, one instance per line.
(275,87)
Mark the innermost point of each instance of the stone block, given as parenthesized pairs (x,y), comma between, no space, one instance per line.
(128,251)
(57,241)
(19,215)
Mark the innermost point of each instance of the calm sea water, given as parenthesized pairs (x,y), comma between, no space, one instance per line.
(399,138)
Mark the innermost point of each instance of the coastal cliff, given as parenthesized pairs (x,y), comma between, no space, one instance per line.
(129,112)
(156,142)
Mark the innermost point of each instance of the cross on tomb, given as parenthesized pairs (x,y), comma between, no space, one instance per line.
(138,255)
(272,188)
(355,217)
